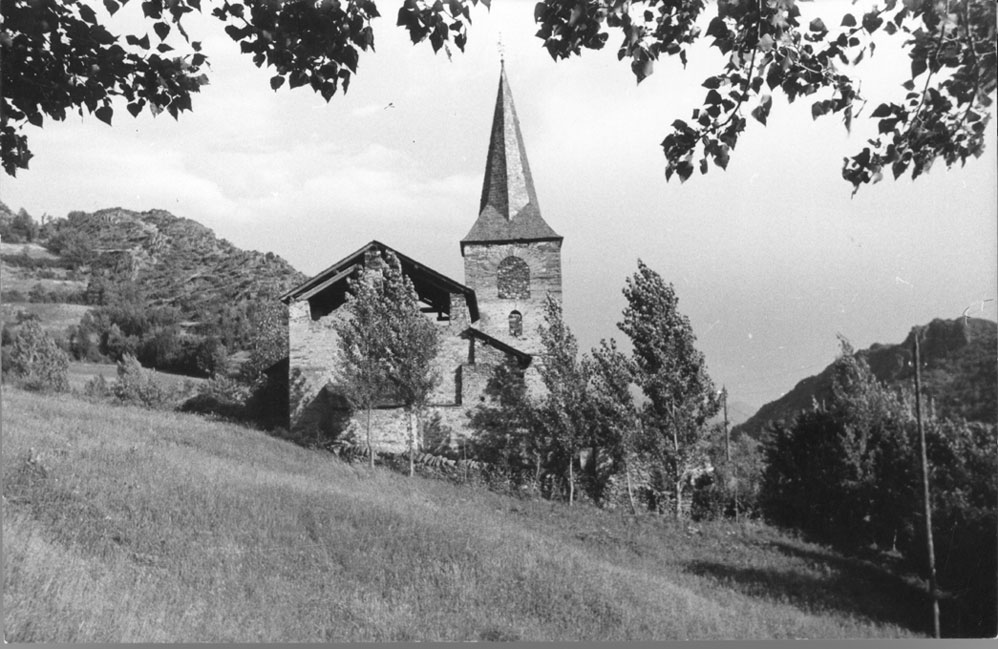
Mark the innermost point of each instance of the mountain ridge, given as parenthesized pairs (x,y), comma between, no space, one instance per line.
(959,358)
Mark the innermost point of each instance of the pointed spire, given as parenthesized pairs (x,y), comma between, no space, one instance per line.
(508,209)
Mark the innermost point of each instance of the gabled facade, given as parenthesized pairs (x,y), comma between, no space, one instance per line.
(512,261)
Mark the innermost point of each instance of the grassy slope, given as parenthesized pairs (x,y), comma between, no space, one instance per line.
(125,525)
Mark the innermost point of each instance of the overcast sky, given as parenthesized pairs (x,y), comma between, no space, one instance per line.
(770,259)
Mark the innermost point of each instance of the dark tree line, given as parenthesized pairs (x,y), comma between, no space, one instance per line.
(847,472)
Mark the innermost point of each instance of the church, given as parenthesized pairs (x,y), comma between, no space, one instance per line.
(512,261)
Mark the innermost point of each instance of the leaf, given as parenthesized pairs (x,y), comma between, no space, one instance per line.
(883,110)
(817,25)
(161,29)
(918,66)
(722,156)
(818,109)
(761,112)
(685,170)
(717,28)
(712,82)
(111,6)
(134,109)
(848,20)
(104,114)
(872,21)
(88,15)
(138,42)
(642,68)
(276,81)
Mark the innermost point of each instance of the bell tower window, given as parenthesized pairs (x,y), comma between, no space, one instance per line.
(515,324)
(513,278)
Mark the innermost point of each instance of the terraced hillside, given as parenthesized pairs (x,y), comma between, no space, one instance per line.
(178,261)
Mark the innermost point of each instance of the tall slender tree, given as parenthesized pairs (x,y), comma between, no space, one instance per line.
(412,342)
(672,373)
(565,410)
(362,368)
(615,421)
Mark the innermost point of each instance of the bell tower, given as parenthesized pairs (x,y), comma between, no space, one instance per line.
(512,257)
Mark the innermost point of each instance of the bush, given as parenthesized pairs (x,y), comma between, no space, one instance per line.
(97,388)
(35,360)
(138,386)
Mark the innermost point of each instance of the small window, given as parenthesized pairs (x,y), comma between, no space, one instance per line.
(515,324)
(513,278)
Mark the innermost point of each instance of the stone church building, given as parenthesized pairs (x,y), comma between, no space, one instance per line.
(512,261)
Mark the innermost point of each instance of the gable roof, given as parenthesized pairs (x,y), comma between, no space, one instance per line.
(432,287)
(522,357)
(508,211)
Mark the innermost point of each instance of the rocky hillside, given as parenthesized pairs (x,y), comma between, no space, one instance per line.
(160,287)
(958,373)
(177,261)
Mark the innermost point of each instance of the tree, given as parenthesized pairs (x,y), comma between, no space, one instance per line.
(848,472)
(36,360)
(57,57)
(506,431)
(361,345)
(412,343)
(565,409)
(615,417)
(673,376)
(386,345)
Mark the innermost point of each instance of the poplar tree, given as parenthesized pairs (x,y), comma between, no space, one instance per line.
(565,410)
(387,346)
(672,374)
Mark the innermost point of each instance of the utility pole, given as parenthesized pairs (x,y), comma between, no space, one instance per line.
(727,439)
(933,588)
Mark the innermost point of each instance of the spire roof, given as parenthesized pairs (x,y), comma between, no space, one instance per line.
(508,210)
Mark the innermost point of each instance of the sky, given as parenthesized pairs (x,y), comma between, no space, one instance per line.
(770,260)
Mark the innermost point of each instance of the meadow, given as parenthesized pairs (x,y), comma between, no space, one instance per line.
(123,525)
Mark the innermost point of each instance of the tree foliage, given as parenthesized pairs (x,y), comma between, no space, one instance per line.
(564,411)
(672,373)
(58,57)
(386,344)
(36,361)
(847,471)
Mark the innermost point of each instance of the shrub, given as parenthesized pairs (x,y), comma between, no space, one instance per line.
(36,361)
(97,388)
(137,385)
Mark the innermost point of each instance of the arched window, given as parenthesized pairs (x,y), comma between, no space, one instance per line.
(515,324)
(513,278)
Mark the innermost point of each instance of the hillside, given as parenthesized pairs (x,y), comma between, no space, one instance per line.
(124,525)
(958,374)
(178,261)
(166,289)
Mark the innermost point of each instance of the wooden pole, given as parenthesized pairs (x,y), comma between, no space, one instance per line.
(933,588)
(727,439)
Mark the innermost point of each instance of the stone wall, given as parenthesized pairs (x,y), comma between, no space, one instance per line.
(321,410)
(481,273)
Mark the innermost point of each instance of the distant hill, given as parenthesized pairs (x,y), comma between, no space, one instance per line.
(183,287)
(958,374)
(178,261)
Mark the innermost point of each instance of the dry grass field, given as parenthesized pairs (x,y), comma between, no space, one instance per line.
(123,525)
